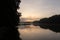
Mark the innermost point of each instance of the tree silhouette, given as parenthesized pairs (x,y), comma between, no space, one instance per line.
(52,23)
(9,19)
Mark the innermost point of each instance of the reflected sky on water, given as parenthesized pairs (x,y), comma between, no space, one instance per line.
(30,32)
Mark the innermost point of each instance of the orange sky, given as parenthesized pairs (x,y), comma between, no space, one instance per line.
(39,8)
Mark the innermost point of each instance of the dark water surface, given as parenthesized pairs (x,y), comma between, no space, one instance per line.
(31,32)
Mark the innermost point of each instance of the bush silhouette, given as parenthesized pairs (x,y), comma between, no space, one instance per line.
(9,19)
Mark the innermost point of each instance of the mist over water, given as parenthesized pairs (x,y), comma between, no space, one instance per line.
(31,32)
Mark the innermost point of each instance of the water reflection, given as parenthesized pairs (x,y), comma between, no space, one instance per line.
(52,27)
(31,32)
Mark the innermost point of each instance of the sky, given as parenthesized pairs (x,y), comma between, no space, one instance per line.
(39,8)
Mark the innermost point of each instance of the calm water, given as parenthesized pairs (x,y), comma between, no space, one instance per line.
(30,32)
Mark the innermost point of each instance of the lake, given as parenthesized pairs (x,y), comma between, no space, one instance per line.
(31,32)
